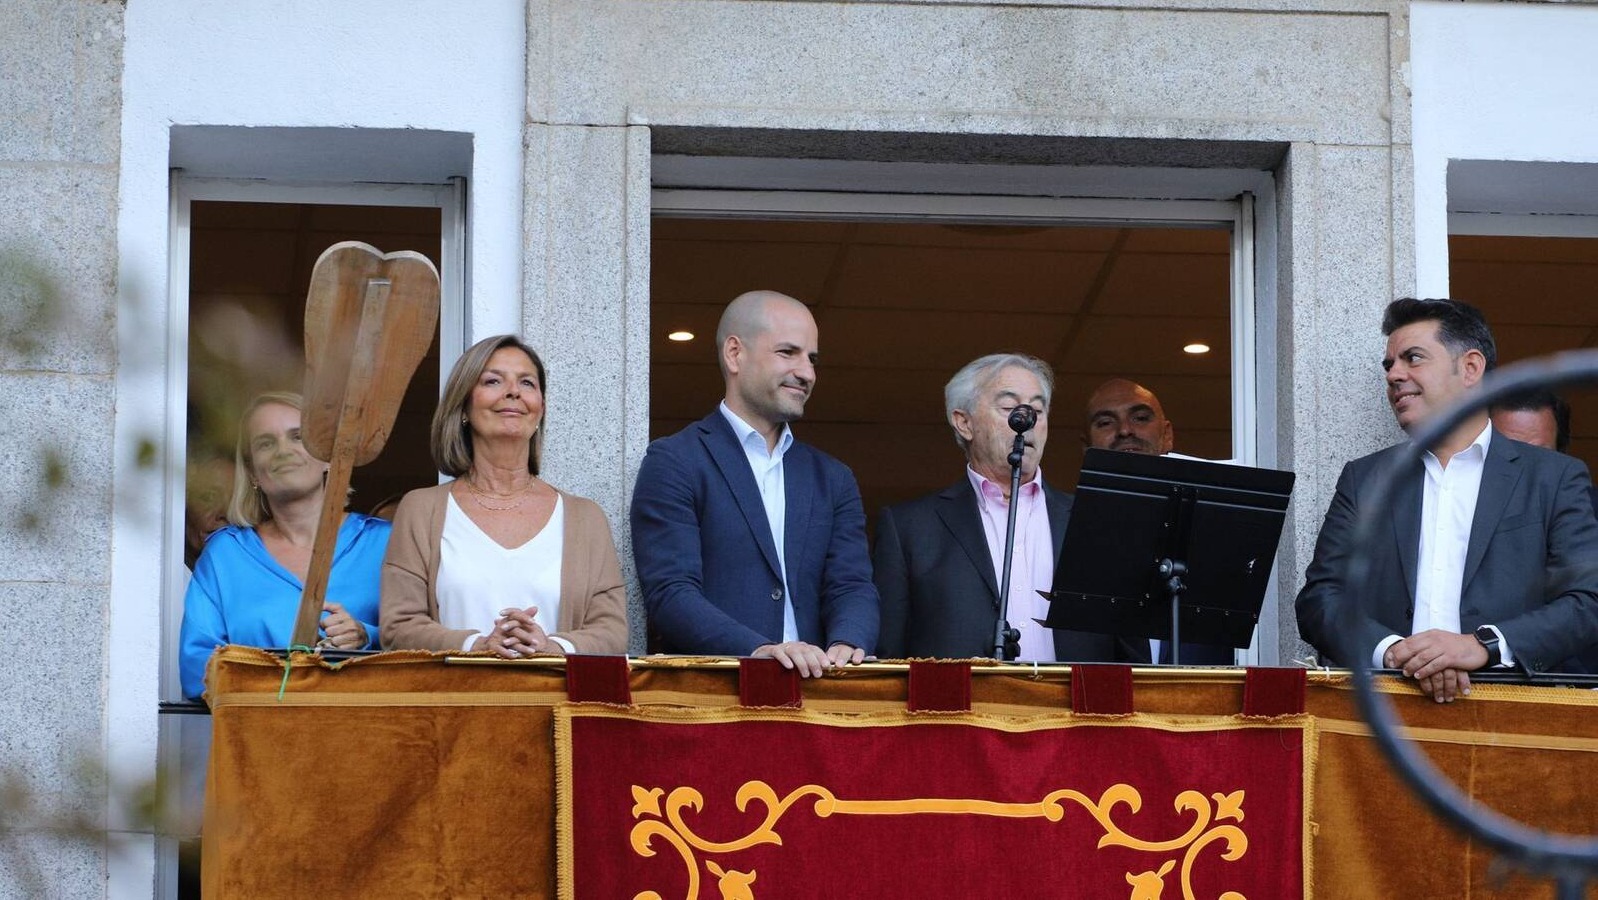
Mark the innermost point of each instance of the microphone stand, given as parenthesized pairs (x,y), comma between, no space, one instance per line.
(1007,640)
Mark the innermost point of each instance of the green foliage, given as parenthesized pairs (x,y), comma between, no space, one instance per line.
(31,311)
(145,456)
(34,317)
(30,307)
(54,468)
(32,823)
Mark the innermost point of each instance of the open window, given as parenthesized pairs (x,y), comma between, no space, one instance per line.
(241,260)
(1523,247)
(908,287)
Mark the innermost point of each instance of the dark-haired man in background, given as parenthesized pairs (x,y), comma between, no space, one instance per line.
(1491,554)
(1540,418)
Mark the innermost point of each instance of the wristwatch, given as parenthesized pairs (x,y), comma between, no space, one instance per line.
(1489,639)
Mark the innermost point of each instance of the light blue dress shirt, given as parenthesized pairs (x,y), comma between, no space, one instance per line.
(767,469)
(241,595)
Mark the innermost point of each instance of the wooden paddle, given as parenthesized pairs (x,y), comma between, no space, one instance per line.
(369,319)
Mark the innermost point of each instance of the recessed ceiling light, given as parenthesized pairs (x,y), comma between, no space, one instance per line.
(680,336)
(1196,349)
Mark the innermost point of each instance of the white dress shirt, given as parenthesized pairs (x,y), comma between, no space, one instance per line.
(1448,507)
(767,469)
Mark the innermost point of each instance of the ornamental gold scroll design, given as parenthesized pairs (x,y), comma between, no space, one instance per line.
(660,818)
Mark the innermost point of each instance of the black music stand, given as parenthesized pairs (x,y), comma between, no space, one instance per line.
(1170,548)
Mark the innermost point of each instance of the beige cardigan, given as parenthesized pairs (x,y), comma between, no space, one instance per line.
(593,603)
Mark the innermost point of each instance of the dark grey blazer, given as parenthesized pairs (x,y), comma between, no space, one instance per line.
(1531,566)
(939,596)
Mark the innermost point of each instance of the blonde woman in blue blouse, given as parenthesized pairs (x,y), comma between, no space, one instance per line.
(248,580)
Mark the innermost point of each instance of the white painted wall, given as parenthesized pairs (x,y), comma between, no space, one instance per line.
(423,64)
(1495,81)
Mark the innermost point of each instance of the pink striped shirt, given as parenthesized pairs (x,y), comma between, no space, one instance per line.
(1033,569)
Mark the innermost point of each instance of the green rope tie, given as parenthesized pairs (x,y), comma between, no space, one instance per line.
(288,666)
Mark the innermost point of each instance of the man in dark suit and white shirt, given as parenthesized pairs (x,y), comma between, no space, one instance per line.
(1487,550)
(1541,418)
(747,541)
(938,559)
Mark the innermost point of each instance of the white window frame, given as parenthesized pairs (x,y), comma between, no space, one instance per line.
(1252,271)
(448,198)
(1552,225)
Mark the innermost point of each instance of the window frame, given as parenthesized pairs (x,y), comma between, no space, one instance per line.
(1552,225)
(448,198)
(1252,296)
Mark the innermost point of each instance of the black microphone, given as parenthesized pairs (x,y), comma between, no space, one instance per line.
(1022,418)
(1007,640)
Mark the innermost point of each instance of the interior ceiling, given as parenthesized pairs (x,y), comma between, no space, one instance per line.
(902,306)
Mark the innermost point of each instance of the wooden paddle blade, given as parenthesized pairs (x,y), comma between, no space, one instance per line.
(402,333)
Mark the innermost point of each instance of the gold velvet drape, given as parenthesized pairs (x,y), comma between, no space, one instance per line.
(403,775)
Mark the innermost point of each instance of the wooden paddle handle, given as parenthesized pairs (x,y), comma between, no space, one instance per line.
(346,440)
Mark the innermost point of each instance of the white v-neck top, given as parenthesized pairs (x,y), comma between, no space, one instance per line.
(477,577)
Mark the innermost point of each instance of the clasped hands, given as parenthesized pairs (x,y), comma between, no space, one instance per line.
(1439,661)
(517,635)
(811,661)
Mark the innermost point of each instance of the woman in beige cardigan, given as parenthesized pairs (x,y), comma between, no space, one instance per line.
(497,559)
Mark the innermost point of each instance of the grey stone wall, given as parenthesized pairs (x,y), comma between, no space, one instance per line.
(586,307)
(60,102)
(1321,77)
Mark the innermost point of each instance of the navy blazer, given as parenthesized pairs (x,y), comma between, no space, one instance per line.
(707,561)
(1531,564)
(939,595)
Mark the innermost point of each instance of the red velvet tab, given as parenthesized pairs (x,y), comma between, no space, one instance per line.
(1101,689)
(598,679)
(763,681)
(1273,691)
(940,686)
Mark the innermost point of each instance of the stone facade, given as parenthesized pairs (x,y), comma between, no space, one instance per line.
(1161,84)
(1312,91)
(60,102)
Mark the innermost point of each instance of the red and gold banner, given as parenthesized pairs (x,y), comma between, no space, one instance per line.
(662,803)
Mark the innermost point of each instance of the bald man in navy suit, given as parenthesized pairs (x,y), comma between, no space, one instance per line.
(747,541)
